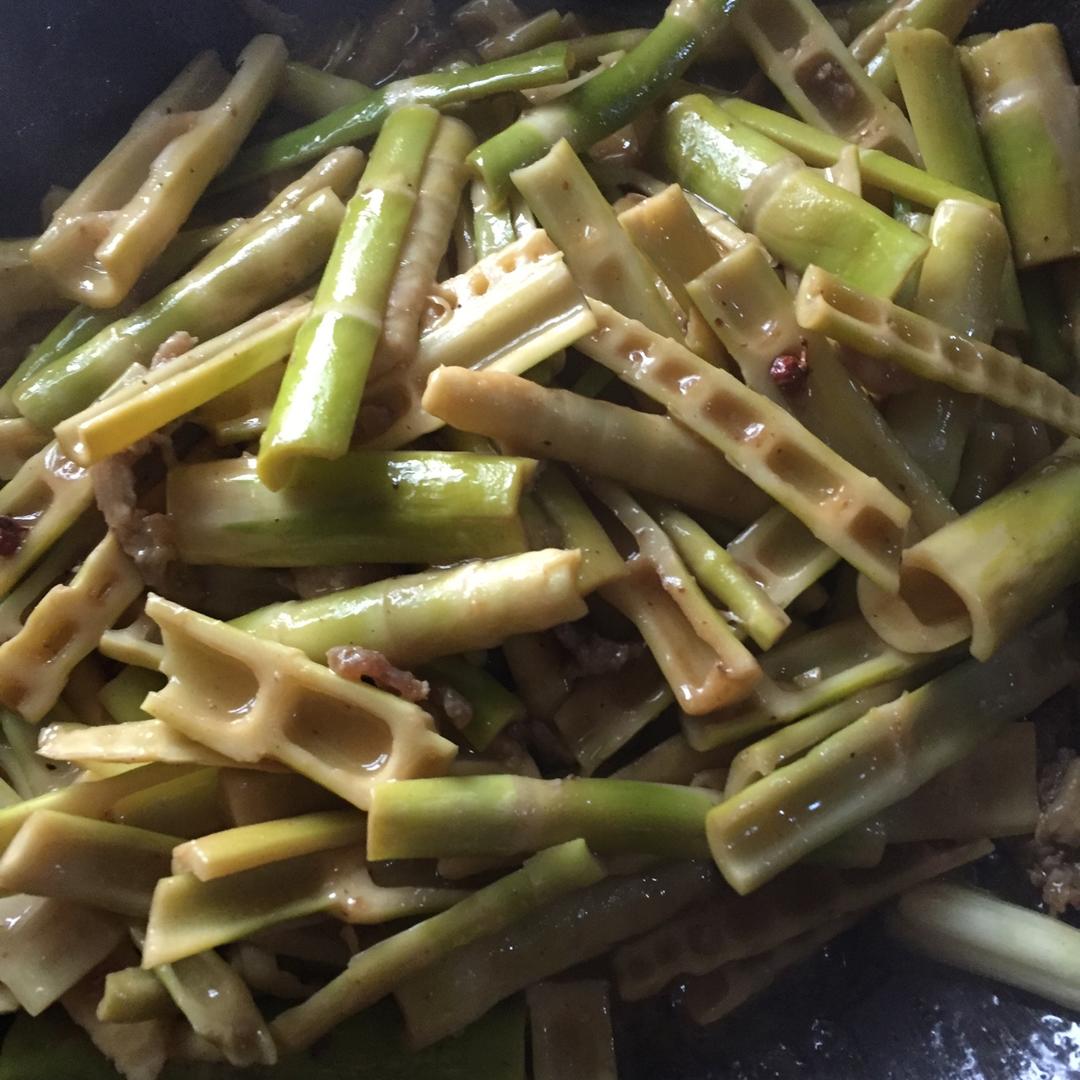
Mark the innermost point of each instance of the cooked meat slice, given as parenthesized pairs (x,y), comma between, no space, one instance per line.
(356,663)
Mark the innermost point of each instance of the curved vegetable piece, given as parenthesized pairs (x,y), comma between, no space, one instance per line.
(419,617)
(803,56)
(119,219)
(846,509)
(882,329)
(1002,563)
(797,214)
(349,737)
(887,754)
(356,121)
(316,406)
(607,102)
(239,277)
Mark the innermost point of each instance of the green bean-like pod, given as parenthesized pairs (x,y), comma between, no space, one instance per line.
(1002,563)
(596,436)
(820,79)
(368,507)
(881,329)
(851,512)
(358,120)
(238,278)
(602,105)
(798,215)
(380,969)
(454,991)
(570,1025)
(120,218)
(418,617)
(1025,102)
(882,757)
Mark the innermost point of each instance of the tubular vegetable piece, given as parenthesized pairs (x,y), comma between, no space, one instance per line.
(988,464)
(378,970)
(187,806)
(168,392)
(972,930)
(1024,98)
(527,34)
(316,407)
(108,866)
(601,563)
(673,761)
(851,512)
(607,102)
(250,797)
(312,93)
(881,329)
(604,712)
(493,225)
(643,450)
(26,289)
(571,1031)
(369,506)
(1002,563)
(510,311)
(249,846)
(132,995)
(1046,348)
(803,56)
(738,665)
(353,122)
(251,699)
(218,1005)
(505,815)
(718,573)
(19,441)
(64,628)
(796,213)
(881,758)
(602,258)
(463,986)
(492,706)
(754,316)
(120,218)
(424,245)
(50,945)
(220,292)
(419,617)
(874,48)
(189,916)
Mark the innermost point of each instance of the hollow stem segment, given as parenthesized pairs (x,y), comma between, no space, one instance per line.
(881,329)
(851,512)
(319,398)
(380,969)
(367,507)
(358,120)
(420,617)
(796,213)
(803,56)
(610,100)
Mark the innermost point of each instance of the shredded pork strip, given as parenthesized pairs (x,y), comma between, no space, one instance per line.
(355,663)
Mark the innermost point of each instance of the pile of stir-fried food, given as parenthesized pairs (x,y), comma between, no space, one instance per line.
(501,517)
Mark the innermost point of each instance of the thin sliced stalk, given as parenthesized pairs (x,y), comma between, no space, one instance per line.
(353,122)
(882,329)
(803,56)
(369,506)
(319,398)
(26,289)
(1045,348)
(762,441)
(436,613)
(132,995)
(596,436)
(1004,562)
(876,761)
(505,815)
(123,695)
(987,465)
(571,1031)
(187,806)
(492,706)
(27,773)
(528,34)
(239,277)
(973,930)
(108,866)
(602,105)
(249,797)
(673,761)
(312,93)
(457,990)
(248,846)
(19,441)
(219,1007)
(383,967)
(602,258)
(493,226)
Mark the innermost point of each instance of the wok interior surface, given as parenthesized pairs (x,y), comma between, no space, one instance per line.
(79,69)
